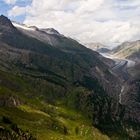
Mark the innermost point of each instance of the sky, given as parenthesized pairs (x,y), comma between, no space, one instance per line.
(110,22)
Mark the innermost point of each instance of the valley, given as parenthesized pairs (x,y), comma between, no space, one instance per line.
(54,88)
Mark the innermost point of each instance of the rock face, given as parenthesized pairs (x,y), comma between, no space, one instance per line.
(4,21)
(6,25)
(9,101)
(14,132)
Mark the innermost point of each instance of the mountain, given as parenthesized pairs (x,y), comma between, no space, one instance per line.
(95,46)
(125,56)
(130,95)
(98,47)
(53,87)
(5,23)
(128,50)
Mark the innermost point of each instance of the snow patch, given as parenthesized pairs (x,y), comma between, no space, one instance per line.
(119,61)
(130,63)
(23,26)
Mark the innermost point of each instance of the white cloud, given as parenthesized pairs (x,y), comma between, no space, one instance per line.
(107,21)
(17,11)
(10,1)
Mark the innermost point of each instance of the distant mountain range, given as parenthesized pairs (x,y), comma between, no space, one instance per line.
(127,50)
(53,87)
(98,47)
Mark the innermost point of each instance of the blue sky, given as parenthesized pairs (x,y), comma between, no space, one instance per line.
(5,7)
(109,22)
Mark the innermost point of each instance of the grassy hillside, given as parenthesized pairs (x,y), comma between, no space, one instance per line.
(42,120)
(42,113)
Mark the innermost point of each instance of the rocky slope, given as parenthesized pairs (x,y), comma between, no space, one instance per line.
(127,67)
(128,50)
(131,92)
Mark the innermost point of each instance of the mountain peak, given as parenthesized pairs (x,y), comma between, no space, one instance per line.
(4,21)
(6,24)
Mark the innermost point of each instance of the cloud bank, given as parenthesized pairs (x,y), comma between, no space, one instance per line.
(109,22)
(10,1)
